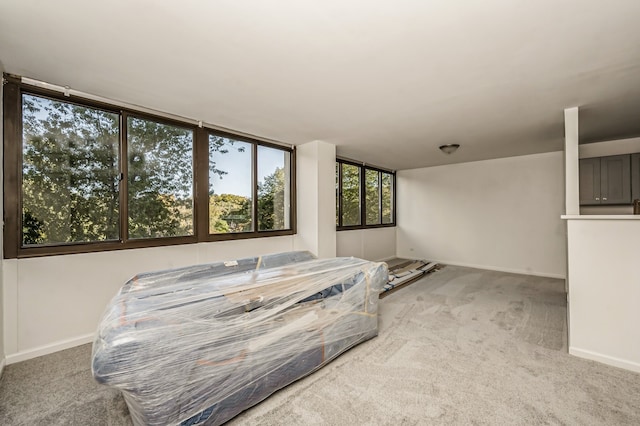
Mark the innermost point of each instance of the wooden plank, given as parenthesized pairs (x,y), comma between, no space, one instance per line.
(422,268)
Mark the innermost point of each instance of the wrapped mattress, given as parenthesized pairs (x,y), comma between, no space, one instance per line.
(199,345)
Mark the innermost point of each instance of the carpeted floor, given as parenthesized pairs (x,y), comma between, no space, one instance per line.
(460,346)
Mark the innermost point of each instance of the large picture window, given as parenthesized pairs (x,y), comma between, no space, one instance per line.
(230,185)
(69,173)
(273,189)
(160,179)
(84,176)
(365,196)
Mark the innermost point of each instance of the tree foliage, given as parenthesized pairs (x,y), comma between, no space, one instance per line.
(160,179)
(69,176)
(271,201)
(229,213)
(377,203)
(350,195)
(387,201)
(372,197)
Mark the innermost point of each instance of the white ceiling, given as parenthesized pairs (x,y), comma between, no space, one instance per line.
(386,81)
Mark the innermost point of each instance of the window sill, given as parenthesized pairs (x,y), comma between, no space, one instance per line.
(360,227)
(106,246)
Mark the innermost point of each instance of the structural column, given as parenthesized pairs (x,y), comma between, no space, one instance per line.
(316,198)
(571,161)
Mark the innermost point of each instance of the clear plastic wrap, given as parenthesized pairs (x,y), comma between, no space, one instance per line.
(199,345)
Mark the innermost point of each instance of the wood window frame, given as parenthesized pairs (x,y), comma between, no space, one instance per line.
(363,208)
(14,88)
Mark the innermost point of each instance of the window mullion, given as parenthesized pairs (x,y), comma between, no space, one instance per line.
(124,179)
(201,184)
(393,198)
(379,198)
(363,196)
(12,105)
(293,200)
(339,194)
(254,186)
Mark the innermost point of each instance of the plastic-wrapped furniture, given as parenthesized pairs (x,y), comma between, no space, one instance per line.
(199,345)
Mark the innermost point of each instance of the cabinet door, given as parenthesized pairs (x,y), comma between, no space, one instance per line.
(590,181)
(635,177)
(615,179)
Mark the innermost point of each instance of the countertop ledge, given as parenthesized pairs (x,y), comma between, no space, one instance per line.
(600,217)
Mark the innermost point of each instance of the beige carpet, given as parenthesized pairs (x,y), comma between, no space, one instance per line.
(460,346)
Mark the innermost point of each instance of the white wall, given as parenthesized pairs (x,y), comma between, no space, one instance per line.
(499,214)
(604,290)
(52,303)
(370,244)
(316,198)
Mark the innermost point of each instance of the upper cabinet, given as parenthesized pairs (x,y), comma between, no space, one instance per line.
(590,181)
(607,180)
(615,179)
(635,176)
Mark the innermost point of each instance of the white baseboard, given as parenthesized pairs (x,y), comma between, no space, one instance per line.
(49,349)
(605,359)
(2,363)
(500,269)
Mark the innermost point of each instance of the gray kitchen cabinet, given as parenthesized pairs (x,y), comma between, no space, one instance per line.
(615,179)
(590,181)
(605,180)
(635,177)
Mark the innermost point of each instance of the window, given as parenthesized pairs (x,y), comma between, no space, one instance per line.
(69,173)
(273,189)
(84,176)
(350,195)
(365,196)
(160,179)
(387,197)
(230,186)
(233,185)
(372,200)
